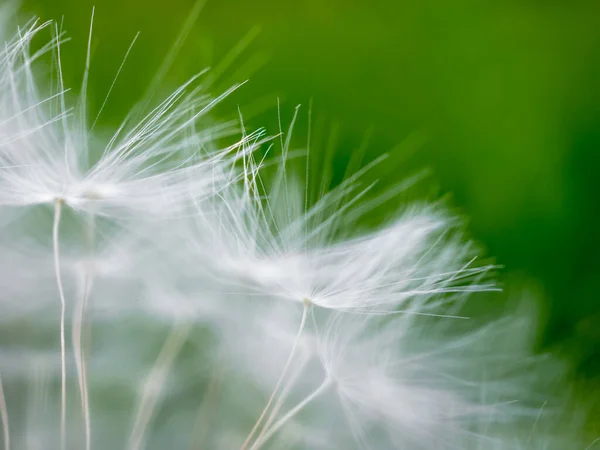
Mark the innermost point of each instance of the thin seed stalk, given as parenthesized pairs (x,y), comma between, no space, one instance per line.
(63,365)
(286,368)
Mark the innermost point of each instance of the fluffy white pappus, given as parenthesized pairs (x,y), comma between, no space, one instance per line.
(152,167)
(268,247)
(415,387)
(412,260)
(404,381)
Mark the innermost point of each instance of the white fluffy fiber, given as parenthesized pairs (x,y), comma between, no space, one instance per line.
(202,303)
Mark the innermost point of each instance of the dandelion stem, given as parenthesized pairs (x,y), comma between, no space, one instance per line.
(593,443)
(208,407)
(291,413)
(281,377)
(80,364)
(284,395)
(63,365)
(4,413)
(85,288)
(157,376)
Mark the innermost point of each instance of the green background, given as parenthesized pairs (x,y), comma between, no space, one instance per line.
(500,99)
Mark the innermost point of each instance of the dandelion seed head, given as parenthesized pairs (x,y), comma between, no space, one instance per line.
(200,296)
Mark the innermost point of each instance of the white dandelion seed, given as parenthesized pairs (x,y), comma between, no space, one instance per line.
(152,168)
(48,158)
(271,246)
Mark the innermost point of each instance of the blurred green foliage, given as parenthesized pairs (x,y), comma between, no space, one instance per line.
(506,93)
